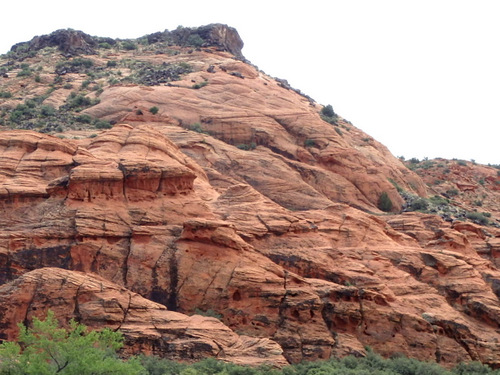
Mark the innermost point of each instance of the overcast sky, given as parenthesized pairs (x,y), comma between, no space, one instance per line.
(422,77)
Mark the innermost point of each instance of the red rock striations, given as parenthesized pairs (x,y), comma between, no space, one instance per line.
(237,198)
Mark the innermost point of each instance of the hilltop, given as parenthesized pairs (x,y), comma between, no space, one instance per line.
(145,183)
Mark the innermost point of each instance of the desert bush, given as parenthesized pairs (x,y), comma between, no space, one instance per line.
(198,86)
(309,143)
(25,72)
(47,110)
(195,40)
(210,313)
(384,202)
(154,110)
(247,146)
(129,45)
(419,204)
(477,217)
(78,102)
(84,119)
(328,111)
(102,124)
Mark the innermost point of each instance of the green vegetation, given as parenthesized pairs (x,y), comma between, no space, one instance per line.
(34,115)
(247,146)
(195,40)
(196,127)
(129,45)
(478,217)
(25,72)
(46,349)
(424,164)
(372,364)
(309,143)
(396,185)
(77,102)
(5,95)
(198,86)
(328,111)
(210,313)
(144,73)
(328,114)
(154,110)
(384,202)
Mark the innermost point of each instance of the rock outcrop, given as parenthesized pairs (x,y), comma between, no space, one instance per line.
(70,42)
(148,327)
(234,196)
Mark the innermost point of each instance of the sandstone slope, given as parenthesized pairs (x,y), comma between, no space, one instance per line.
(234,197)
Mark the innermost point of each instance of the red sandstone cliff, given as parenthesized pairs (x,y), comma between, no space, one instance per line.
(234,197)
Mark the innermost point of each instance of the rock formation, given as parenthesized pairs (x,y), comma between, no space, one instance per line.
(234,196)
(70,42)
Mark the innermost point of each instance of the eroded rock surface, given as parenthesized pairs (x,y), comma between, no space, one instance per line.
(148,327)
(236,197)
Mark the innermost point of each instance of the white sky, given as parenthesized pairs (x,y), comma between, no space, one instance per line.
(420,76)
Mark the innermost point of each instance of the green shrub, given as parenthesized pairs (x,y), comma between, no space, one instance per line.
(195,40)
(477,217)
(197,128)
(384,202)
(198,86)
(129,45)
(309,143)
(102,124)
(105,45)
(210,313)
(247,146)
(420,204)
(154,110)
(78,102)
(328,111)
(80,61)
(5,95)
(111,63)
(85,84)
(47,110)
(26,72)
(84,119)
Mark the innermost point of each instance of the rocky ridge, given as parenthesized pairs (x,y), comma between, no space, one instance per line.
(236,196)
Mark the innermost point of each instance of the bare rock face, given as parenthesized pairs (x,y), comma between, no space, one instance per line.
(148,327)
(131,208)
(235,197)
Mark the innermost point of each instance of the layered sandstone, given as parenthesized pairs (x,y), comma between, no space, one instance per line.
(237,197)
(148,327)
